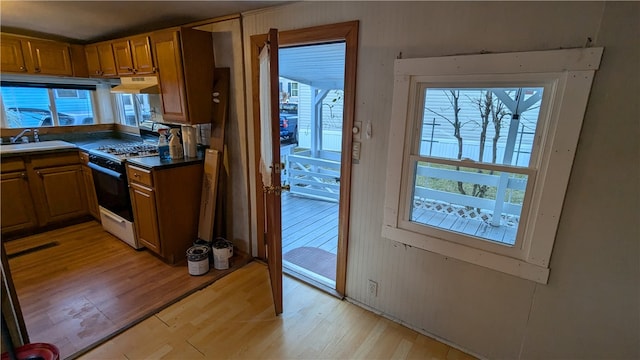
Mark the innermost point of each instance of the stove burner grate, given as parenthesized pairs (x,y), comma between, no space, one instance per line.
(127,150)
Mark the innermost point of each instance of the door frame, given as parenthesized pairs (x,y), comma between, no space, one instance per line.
(348,32)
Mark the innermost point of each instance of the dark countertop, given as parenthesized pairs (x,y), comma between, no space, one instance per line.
(151,162)
(90,141)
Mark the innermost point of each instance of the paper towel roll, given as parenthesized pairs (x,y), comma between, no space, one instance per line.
(189,141)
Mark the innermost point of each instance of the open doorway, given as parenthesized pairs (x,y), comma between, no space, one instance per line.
(311,129)
(299,143)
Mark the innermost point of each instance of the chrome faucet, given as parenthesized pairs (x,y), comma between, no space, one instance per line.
(17,137)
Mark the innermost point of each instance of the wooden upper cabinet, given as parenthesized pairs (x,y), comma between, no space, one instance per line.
(11,57)
(49,57)
(107,60)
(122,54)
(100,60)
(141,55)
(34,56)
(93,60)
(185,66)
(133,56)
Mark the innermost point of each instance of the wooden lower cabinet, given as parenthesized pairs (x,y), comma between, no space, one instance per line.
(43,190)
(143,201)
(18,212)
(62,193)
(166,207)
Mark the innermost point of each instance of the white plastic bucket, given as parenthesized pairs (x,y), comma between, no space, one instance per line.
(198,260)
(222,251)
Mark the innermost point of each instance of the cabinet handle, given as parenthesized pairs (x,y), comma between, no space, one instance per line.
(23,175)
(37,69)
(38,173)
(22,68)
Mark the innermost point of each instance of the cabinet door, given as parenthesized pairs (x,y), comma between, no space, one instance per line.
(90,189)
(50,58)
(199,68)
(145,218)
(11,56)
(141,54)
(122,54)
(107,61)
(17,208)
(93,60)
(63,193)
(166,49)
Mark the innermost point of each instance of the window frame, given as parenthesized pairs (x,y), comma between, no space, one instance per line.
(52,95)
(567,77)
(294,88)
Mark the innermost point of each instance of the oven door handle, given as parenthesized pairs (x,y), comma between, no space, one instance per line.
(114,218)
(105,171)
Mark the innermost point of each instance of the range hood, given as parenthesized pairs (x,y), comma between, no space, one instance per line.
(137,85)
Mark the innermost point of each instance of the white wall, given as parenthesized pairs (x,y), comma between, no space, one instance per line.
(590,308)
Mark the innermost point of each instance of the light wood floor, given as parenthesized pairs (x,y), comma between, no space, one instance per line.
(84,285)
(234,318)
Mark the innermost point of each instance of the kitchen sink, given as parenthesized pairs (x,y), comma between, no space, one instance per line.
(35,146)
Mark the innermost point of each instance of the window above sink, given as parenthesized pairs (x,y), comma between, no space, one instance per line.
(31,107)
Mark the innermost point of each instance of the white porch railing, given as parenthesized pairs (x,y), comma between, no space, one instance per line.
(424,197)
(316,177)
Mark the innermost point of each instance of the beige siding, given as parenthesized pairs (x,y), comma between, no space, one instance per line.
(480,310)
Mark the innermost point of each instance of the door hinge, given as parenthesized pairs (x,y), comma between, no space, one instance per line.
(277,168)
(276,189)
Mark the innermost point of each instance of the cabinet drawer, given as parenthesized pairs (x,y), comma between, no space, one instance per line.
(139,175)
(84,158)
(58,159)
(8,165)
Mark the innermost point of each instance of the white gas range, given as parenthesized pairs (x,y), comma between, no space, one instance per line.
(107,162)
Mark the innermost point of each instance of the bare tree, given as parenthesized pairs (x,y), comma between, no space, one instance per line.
(498,113)
(485,107)
(491,111)
(456,122)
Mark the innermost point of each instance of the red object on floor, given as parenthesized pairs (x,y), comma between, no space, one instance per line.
(34,351)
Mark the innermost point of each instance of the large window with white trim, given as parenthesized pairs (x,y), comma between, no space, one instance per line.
(27,105)
(480,153)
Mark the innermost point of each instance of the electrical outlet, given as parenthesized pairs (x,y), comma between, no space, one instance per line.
(373,288)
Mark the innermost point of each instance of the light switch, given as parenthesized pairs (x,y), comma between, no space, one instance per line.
(355,152)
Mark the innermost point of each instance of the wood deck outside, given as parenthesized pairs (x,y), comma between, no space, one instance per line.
(465,225)
(309,222)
